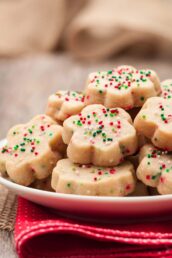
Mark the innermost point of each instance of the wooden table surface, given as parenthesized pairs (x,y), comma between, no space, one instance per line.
(26,83)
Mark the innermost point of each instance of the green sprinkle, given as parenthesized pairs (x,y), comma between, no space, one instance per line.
(94,134)
(16,147)
(79,123)
(154,177)
(30,131)
(144,117)
(68,184)
(157,175)
(4,150)
(109,72)
(142,98)
(100,91)
(23,150)
(50,134)
(149,156)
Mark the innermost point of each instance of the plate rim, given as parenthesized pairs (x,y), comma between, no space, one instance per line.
(132,199)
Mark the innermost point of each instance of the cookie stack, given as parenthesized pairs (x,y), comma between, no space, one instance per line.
(88,144)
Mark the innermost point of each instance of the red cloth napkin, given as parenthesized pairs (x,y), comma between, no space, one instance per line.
(41,233)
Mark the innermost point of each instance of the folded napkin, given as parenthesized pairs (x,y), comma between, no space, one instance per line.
(41,233)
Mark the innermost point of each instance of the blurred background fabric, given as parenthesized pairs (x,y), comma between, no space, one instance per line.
(89,29)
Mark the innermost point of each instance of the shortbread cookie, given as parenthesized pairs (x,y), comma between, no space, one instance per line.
(32,150)
(155,122)
(140,190)
(124,87)
(100,136)
(166,87)
(63,104)
(71,178)
(155,168)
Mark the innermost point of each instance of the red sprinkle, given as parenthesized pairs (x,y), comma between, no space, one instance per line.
(112,171)
(42,128)
(128,187)
(162,179)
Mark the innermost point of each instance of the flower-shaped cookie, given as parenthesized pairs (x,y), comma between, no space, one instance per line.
(155,168)
(166,87)
(155,122)
(124,87)
(100,136)
(71,178)
(63,104)
(32,150)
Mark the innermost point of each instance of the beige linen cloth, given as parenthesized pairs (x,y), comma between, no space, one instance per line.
(90,29)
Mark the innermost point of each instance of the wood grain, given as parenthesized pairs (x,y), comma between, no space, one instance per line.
(26,83)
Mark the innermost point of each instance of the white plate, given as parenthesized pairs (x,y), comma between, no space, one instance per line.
(96,207)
